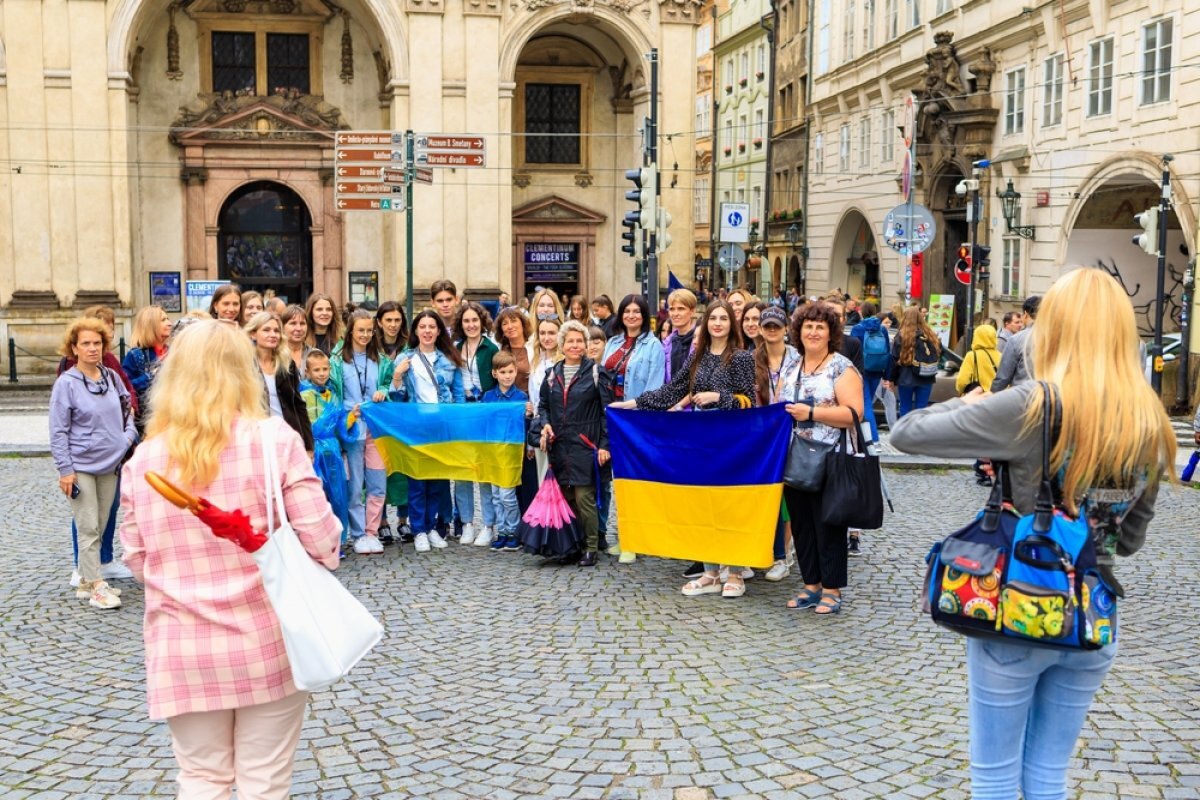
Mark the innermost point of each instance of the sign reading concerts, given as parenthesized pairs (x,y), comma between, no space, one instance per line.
(551,262)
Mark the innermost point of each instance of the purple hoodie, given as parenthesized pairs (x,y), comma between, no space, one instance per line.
(88,432)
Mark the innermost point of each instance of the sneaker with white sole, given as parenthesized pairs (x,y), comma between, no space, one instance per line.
(421,542)
(81,593)
(115,571)
(484,537)
(366,545)
(468,534)
(779,570)
(626,557)
(436,540)
(75,579)
(101,596)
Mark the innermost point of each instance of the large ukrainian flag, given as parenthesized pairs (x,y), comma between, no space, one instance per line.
(703,486)
(480,442)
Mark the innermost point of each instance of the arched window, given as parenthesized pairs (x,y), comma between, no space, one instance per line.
(265,241)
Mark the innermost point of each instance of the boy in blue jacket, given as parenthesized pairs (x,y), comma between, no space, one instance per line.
(504,500)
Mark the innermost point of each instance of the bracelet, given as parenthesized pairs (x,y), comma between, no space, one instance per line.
(811,410)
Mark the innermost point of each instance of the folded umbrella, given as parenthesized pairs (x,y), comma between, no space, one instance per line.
(233,526)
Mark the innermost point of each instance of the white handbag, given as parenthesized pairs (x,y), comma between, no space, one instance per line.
(326,630)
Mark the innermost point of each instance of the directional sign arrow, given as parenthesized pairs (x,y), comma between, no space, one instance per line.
(450,160)
(369,155)
(365,188)
(367,138)
(450,141)
(369,204)
(359,172)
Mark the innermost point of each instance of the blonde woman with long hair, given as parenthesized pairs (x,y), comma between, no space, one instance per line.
(280,378)
(229,700)
(1115,443)
(546,305)
(147,346)
(546,353)
(912,366)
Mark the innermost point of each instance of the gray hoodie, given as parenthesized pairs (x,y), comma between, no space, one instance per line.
(993,428)
(87,431)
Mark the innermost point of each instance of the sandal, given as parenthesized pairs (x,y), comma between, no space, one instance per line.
(733,589)
(806,599)
(705,584)
(829,604)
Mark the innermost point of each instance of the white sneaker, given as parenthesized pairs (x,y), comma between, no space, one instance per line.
(626,557)
(115,571)
(747,574)
(436,540)
(468,534)
(103,597)
(778,571)
(485,536)
(376,545)
(421,542)
(367,545)
(84,594)
(75,579)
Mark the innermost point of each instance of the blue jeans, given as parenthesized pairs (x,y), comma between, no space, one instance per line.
(424,500)
(106,539)
(364,518)
(913,397)
(778,549)
(464,502)
(871,382)
(505,512)
(1027,706)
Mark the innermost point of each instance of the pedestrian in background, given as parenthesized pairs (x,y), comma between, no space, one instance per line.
(979,365)
(280,378)
(226,304)
(324,324)
(1011,325)
(579,311)
(252,303)
(751,315)
(602,314)
(91,430)
(147,346)
(1027,705)
(912,368)
(230,724)
(1014,362)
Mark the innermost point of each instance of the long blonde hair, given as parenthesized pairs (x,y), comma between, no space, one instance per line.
(911,325)
(147,327)
(283,354)
(208,381)
(1114,428)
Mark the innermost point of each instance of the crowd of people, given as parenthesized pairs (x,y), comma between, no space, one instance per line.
(828,360)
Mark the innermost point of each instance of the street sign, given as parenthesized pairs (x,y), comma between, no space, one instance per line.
(429,159)
(370,203)
(731,257)
(447,141)
(360,138)
(909,228)
(373,155)
(735,222)
(962,272)
(371,188)
(450,150)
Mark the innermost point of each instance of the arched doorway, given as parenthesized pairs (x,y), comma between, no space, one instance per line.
(854,263)
(265,241)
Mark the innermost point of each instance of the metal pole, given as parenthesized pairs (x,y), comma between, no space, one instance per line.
(973,220)
(714,197)
(410,176)
(1164,207)
(12,360)
(652,259)
(1183,396)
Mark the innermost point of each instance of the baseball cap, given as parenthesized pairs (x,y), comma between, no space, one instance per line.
(772,316)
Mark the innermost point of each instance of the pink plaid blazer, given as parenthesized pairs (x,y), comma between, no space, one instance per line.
(212,639)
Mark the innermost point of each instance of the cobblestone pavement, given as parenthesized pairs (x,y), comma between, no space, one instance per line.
(502,679)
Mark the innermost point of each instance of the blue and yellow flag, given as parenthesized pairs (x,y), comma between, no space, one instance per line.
(702,486)
(480,442)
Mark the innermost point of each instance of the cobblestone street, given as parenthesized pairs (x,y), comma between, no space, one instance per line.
(501,679)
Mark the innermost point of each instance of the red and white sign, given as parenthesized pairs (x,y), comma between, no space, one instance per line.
(451,141)
(367,138)
(962,272)
(373,155)
(370,203)
(451,159)
(372,187)
(450,150)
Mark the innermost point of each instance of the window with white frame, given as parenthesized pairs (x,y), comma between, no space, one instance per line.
(912,13)
(887,136)
(848,32)
(826,12)
(700,204)
(868,26)
(1010,262)
(741,195)
(1014,101)
(728,72)
(1157,39)
(944,6)
(703,115)
(743,131)
(756,203)
(760,125)
(1100,78)
(761,72)
(891,19)
(703,40)
(1052,90)
(864,142)
(844,149)
(727,146)
(819,154)
(745,76)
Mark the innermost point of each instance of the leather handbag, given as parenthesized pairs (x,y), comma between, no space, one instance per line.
(326,630)
(853,496)
(804,469)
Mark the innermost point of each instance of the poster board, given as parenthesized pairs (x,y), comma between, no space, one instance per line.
(364,289)
(166,292)
(199,294)
(941,316)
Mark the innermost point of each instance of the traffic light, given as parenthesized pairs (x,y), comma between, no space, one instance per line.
(645,195)
(632,234)
(964,258)
(664,222)
(1148,238)
(980,257)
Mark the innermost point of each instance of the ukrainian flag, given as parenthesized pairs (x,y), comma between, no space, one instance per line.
(480,442)
(702,486)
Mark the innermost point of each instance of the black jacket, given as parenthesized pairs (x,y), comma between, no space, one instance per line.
(287,384)
(852,349)
(571,458)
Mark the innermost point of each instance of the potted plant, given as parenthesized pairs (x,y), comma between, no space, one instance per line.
(728,88)
(758,142)
(741,147)
(728,150)
(759,75)
(742,82)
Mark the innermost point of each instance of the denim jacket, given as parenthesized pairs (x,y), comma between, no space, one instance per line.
(646,367)
(449,379)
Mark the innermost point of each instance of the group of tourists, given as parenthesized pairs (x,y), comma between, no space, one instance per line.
(195,390)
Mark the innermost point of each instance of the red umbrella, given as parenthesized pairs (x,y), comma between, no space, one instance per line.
(231,525)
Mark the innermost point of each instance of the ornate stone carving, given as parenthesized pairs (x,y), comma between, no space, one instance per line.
(588,6)
(234,6)
(680,10)
(522,180)
(983,68)
(383,71)
(173,71)
(942,70)
(426,6)
(347,74)
(583,179)
(482,7)
(135,66)
(288,115)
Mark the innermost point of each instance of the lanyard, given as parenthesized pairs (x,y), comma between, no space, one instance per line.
(472,366)
(362,375)
(429,369)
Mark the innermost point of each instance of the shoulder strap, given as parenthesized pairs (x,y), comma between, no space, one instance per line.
(428,367)
(272,477)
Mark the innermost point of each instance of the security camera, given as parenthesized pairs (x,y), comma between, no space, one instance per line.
(961,189)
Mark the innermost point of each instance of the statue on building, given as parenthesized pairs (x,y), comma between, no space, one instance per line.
(942,70)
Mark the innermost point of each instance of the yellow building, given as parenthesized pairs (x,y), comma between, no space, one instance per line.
(196,137)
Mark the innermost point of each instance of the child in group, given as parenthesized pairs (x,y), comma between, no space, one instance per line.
(322,406)
(503,499)
(315,388)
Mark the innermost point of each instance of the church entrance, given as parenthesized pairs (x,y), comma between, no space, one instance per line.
(265,243)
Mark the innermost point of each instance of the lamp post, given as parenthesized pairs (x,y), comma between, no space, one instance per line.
(753,237)
(793,236)
(1011,200)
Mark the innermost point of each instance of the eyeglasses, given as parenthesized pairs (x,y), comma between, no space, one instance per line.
(101,386)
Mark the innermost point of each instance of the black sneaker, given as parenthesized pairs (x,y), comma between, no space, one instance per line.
(694,571)
(458,528)
(406,533)
(385,535)
(852,546)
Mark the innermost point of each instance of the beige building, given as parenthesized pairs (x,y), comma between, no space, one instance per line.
(195,138)
(1074,103)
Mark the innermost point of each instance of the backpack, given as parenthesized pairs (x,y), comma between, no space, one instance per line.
(876,350)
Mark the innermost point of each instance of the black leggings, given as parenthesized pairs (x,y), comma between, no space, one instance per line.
(820,548)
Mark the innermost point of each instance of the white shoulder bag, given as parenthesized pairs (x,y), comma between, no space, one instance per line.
(326,630)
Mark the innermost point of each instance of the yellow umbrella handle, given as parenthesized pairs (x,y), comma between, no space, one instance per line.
(173,493)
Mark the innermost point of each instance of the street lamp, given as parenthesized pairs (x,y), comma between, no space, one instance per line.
(1011,199)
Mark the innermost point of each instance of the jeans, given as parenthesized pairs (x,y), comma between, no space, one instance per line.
(871,381)
(464,502)
(1027,706)
(424,500)
(913,397)
(505,512)
(778,548)
(106,539)
(364,466)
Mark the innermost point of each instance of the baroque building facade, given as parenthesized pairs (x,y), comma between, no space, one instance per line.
(196,137)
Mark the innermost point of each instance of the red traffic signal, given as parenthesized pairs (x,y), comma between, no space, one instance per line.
(962,267)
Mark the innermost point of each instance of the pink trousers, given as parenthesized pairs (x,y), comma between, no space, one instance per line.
(253,748)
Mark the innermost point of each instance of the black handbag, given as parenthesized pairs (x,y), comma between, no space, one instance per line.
(853,496)
(804,469)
